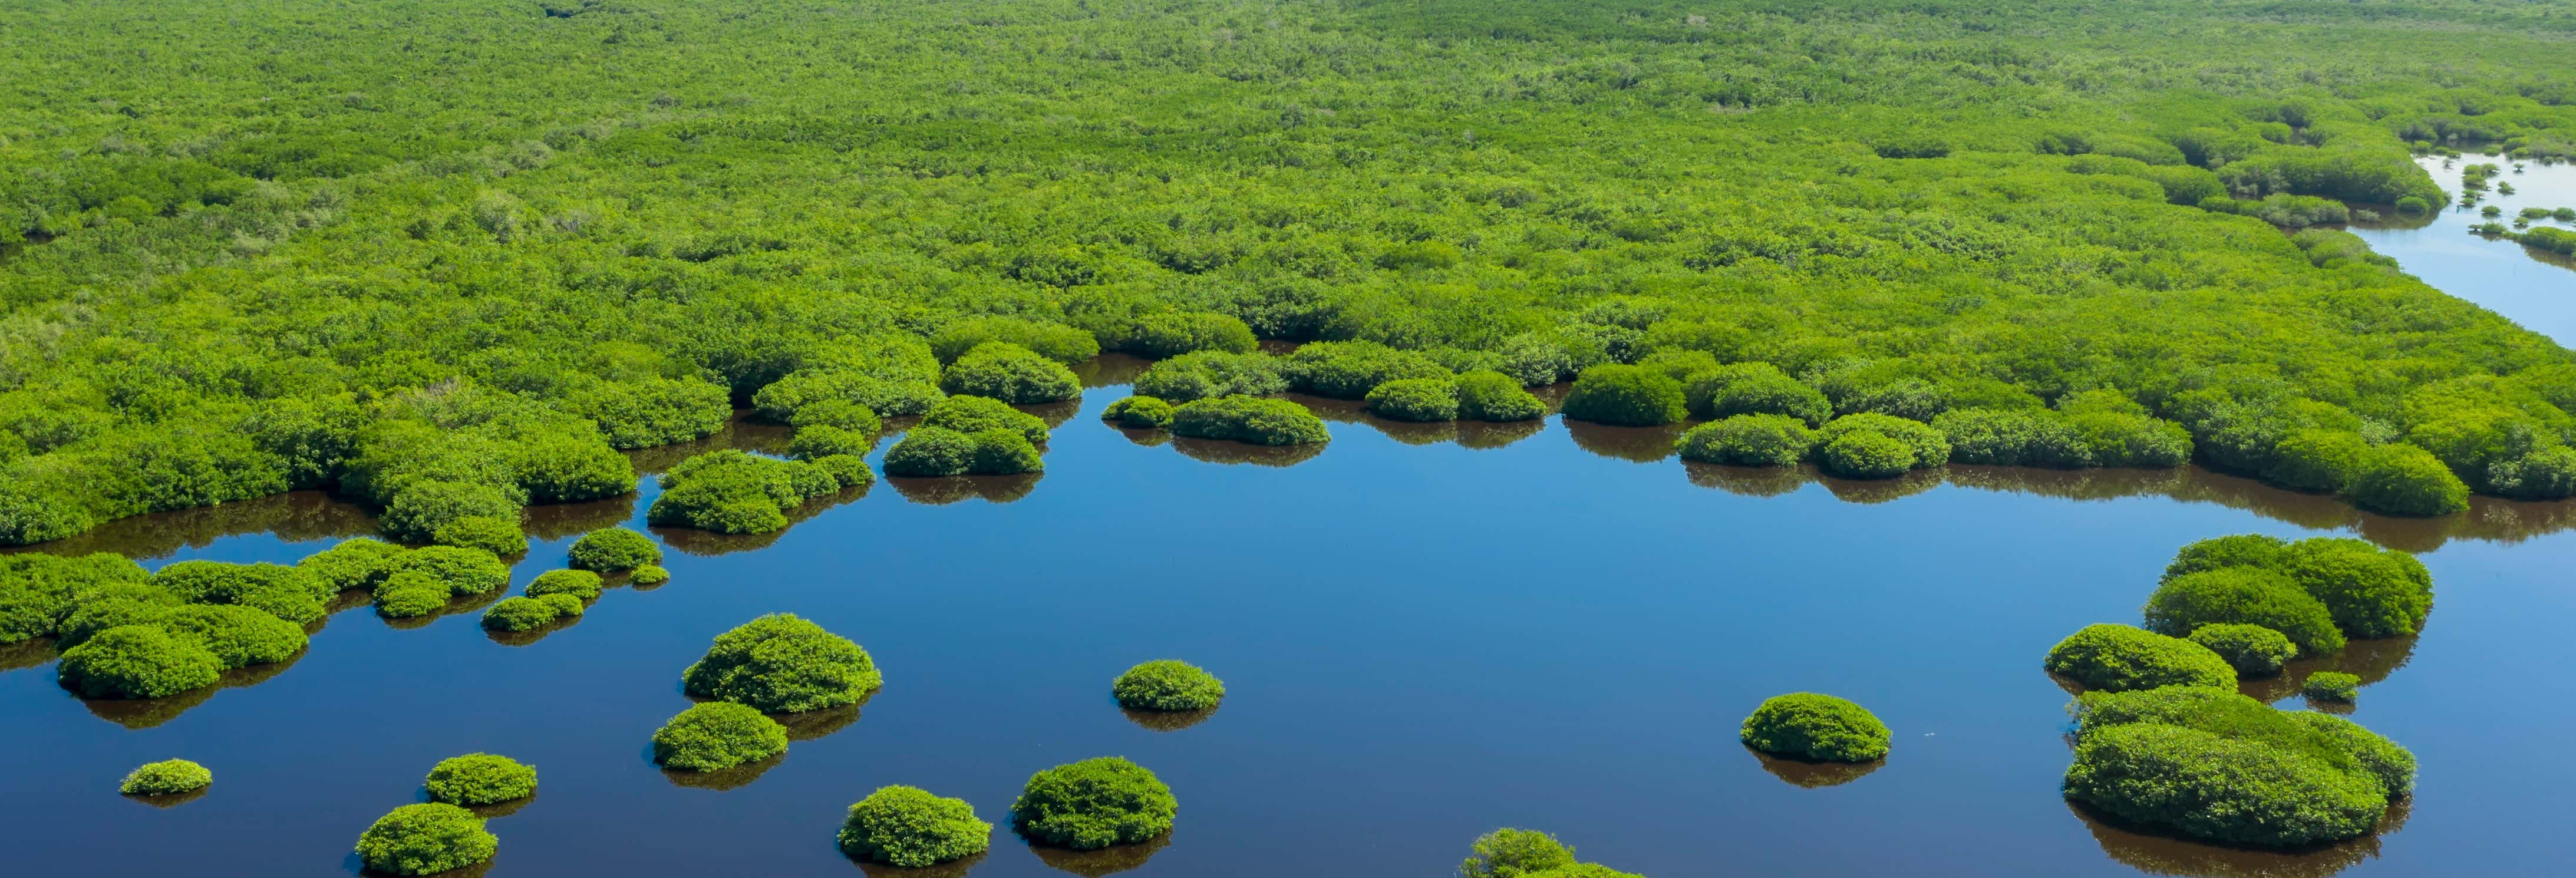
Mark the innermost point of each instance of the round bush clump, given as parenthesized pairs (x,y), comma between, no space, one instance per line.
(409,594)
(1141,412)
(907,827)
(425,839)
(1929,446)
(1093,804)
(353,564)
(2370,591)
(1063,344)
(582,584)
(463,571)
(783,664)
(613,548)
(1173,333)
(717,734)
(519,614)
(166,778)
(2118,658)
(566,606)
(2253,650)
(1748,440)
(975,414)
(1771,394)
(2406,480)
(1516,853)
(649,574)
(2220,788)
(1000,452)
(1415,399)
(1249,420)
(818,441)
(1494,396)
(1865,455)
(1168,685)
(289,593)
(1625,396)
(238,636)
(2240,550)
(137,661)
(2244,595)
(1823,728)
(838,414)
(2393,766)
(490,533)
(2335,686)
(1010,373)
(480,779)
(927,452)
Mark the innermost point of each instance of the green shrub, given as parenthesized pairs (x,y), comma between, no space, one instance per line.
(779,402)
(425,839)
(411,594)
(2372,592)
(2240,550)
(499,536)
(1350,369)
(2245,595)
(927,451)
(38,590)
(823,440)
(566,606)
(783,664)
(1862,454)
(1927,447)
(2253,650)
(1173,333)
(582,584)
(1168,685)
(137,661)
(2119,658)
(656,411)
(1002,452)
(1010,373)
(420,508)
(843,470)
(1249,420)
(649,574)
(166,778)
(1415,399)
(1823,728)
(1748,440)
(2406,480)
(1140,412)
(1055,341)
(2317,460)
(2333,686)
(613,548)
(462,571)
(1493,396)
(2131,440)
(476,779)
(909,828)
(1516,853)
(975,414)
(2013,437)
(519,614)
(734,492)
(715,735)
(237,636)
(1093,804)
(1626,396)
(839,414)
(1770,394)
(1209,374)
(2217,788)
(2393,766)
(359,563)
(289,593)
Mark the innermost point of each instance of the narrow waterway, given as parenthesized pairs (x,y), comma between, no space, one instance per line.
(2532,287)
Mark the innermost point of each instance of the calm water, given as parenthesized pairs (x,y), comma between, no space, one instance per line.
(2535,288)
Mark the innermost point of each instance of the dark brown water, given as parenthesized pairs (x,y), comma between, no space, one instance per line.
(1426,631)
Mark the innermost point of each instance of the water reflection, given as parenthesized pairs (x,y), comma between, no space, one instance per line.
(814,724)
(1482,435)
(1746,481)
(169,800)
(515,639)
(1868,491)
(26,653)
(723,779)
(1815,775)
(691,541)
(497,809)
(1105,861)
(2371,660)
(2160,852)
(958,489)
(144,713)
(1222,451)
(1110,370)
(950,869)
(1167,720)
(1640,444)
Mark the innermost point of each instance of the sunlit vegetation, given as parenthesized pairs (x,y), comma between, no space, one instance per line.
(2318,591)
(1139,412)
(1528,853)
(2221,766)
(613,548)
(908,827)
(480,779)
(2332,686)
(780,663)
(1823,728)
(1249,420)
(166,778)
(2119,658)
(1168,685)
(717,735)
(425,839)
(2253,650)
(1093,804)
(735,492)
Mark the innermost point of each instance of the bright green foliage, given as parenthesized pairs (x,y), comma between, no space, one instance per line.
(411,593)
(1139,412)
(1492,396)
(2119,658)
(38,590)
(1516,853)
(519,614)
(975,414)
(169,777)
(289,593)
(1165,684)
(816,441)
(781,664)
(425,839)
(1093,804)
(1415,399)
(1063,344)
(613,548)
(110,607)
(2405,480)
(1350,369)
(1010,373)
(1002,452)
(1626,396)
(909,828)
(649,574)
(137,661)
(1173,333)
(1749,440)
(480,779)
(566,606)
(1249,420)
(2332,686)
(2253,650)
(652,411)
(1843,451)
(1746,390)
(238,636)
(717,734)
(582,584)
(1806,725)
(2372,592)
(2013,437)
(734,492)
(494,534)
(934,451)
(462,571)
(1207,374)
(839,414)
(2221,766)
(2246,595)
(360,563)
(2239,550)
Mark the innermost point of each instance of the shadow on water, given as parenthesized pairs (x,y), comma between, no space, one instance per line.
(1167,720)
(144,713)
(2159,852)
(723,779)
(950,869)
(1815,775)
(1228,452)
(1110,370)
(958,489)
(1638,444)
(516,639)
(1105,861)
(497,809)
(171,800)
